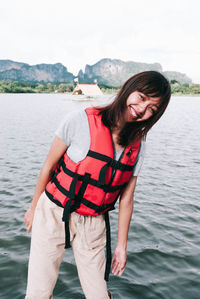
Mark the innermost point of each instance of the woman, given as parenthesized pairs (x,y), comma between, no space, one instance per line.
(95,158)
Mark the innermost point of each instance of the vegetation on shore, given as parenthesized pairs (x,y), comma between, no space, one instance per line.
(25,87)
(63,87)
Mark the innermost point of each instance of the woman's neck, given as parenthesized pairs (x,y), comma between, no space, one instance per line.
(115,135)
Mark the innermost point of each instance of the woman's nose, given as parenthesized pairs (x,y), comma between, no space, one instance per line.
(142,107)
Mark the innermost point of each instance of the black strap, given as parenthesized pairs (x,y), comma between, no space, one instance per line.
(111,162)
(102,174)
(98,156)
(61,188)
(57,170)
(79,196)
(96,208)
(108,248)
(67,210)
(50,196)
(65,218)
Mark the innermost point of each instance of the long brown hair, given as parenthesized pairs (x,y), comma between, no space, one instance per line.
(152,84)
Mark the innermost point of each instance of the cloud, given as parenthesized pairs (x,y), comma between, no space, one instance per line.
(80,32)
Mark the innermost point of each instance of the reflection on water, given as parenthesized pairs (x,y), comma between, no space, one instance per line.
(164,242)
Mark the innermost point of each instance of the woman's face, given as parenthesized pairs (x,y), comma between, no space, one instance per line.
(141,107)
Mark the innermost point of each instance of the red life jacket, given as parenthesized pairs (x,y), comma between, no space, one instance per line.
(90,185)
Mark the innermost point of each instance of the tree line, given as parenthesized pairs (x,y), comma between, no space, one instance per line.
(64,87)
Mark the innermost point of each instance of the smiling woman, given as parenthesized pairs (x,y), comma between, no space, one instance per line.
(80,182)
(148,94)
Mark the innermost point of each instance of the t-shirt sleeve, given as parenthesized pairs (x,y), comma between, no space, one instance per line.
(66,128)
(140,159)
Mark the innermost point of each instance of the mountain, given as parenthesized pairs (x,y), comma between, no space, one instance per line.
(111,72)
(115,72)
(23,72)
(6,65)
(176,76)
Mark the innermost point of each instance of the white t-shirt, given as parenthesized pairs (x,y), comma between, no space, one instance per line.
(75,133)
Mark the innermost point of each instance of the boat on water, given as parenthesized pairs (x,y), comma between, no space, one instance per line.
(87,92)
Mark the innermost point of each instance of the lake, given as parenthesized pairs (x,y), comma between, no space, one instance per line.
(164,239)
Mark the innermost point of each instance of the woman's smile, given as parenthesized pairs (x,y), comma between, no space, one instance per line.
(133,112)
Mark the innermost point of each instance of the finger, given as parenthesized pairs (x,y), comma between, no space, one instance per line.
(113,262)
(121,271)
(116,272)
(29,228)
(26,223)
(122,268)
(116,269)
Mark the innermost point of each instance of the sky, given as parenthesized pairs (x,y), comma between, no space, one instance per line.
(80,32)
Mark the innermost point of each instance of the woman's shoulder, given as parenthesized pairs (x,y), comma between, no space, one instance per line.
(74,115)
(73,122)
(142,145)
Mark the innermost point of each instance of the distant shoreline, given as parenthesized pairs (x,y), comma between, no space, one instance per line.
(70,93)
(178,89)
(186,95)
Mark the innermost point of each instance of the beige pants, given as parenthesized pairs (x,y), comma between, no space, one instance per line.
(88,238)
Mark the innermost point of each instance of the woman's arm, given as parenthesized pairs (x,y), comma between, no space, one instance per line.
(56,151)
(125,213)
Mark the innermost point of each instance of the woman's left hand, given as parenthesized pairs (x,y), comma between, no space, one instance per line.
(28,218)
(119,261)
